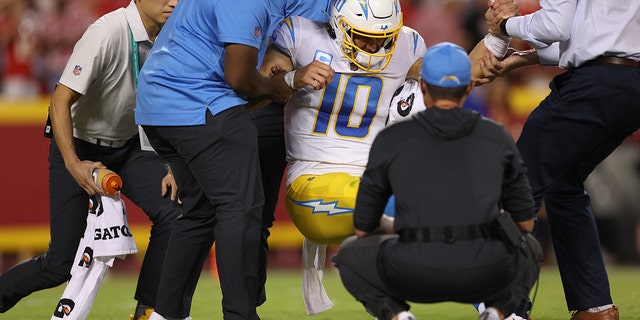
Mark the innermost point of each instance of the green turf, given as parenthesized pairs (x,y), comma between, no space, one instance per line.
(284,300)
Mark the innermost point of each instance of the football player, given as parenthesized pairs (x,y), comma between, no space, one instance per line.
(330,123)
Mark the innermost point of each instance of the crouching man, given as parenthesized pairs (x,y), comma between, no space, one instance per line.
(464,207)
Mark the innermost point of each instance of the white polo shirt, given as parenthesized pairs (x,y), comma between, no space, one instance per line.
(101,69)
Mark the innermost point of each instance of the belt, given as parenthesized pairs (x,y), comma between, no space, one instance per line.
(447,234)
(101,142)
(615,61)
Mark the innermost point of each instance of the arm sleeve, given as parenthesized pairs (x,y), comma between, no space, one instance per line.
(517,198)
(284,38)
(244,22)
(374,190)
(417,46)
(87,60)
(552,23)
(549,56)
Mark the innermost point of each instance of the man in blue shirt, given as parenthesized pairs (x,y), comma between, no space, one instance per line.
(269,121)
(192,93)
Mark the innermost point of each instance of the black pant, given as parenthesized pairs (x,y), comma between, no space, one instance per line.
(383,273)
(588,113)
(142,173)
(218,174)
(269,121)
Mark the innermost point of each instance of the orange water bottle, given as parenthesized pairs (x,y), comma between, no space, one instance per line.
(109,181)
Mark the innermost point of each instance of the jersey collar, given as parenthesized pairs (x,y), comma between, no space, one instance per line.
(135,23)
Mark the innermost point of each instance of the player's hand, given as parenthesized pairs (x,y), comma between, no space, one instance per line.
(275,70)
(169,185)
(281,90)
(498,11)
(82,173)
(316,74)
(492,25)
(490,68)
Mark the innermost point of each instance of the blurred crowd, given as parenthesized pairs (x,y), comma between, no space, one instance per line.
(37,37)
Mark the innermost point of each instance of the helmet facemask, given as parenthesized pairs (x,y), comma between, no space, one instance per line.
(352,19)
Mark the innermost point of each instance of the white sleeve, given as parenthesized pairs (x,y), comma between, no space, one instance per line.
(419,47)
(86,60)
(549,56)
(552,23)
(284,36)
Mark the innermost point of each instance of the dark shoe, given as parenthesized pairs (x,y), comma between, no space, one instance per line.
(609,314)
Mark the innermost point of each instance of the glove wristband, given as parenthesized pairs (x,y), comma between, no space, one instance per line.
(498,45)
(288,79)
(503,27)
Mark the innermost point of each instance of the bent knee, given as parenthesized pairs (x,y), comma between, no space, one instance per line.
(57,273)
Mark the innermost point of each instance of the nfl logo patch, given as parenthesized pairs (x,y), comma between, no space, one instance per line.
(77,70)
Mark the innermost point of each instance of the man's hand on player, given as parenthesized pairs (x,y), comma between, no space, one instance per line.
(169,185)
(498,11)
(491,68)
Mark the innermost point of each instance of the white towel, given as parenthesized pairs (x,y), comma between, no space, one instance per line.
(106,237)
(313,293)
(109,234)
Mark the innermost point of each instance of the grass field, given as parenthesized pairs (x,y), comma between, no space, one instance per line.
(284,300)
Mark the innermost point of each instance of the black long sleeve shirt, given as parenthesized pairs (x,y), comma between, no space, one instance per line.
(448,167)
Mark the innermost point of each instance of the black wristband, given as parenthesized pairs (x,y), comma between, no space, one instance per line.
(503,26)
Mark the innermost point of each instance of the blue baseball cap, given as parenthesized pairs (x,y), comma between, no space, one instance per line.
(446,65)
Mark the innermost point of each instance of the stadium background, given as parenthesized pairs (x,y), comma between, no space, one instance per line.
(36,37)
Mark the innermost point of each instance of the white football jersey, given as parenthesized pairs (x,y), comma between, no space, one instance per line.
(331,130)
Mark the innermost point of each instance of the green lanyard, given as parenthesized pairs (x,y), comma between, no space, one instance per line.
(134,56)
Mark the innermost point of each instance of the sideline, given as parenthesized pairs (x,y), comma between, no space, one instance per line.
(24,111)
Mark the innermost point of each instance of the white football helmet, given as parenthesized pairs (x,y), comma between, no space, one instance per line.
(379,19)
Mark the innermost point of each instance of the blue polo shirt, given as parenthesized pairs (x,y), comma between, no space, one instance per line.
(317,10)
(183,76)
